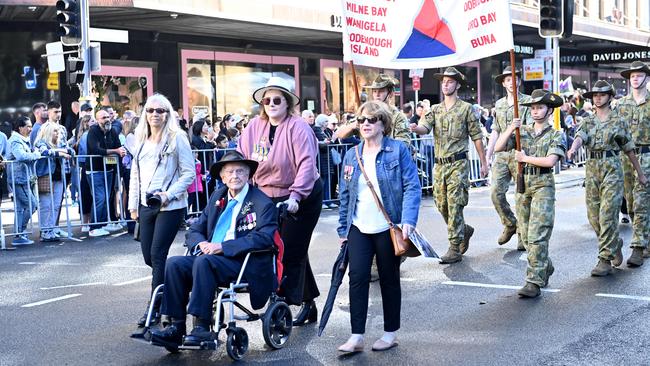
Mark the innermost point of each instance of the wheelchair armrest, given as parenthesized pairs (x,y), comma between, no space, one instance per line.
(272,250)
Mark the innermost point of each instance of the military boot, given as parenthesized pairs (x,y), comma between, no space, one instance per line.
(469,231)
(529,290)
(636,259)
(618,256)
(602,269)
(452,256)
(507,234)
(549,272)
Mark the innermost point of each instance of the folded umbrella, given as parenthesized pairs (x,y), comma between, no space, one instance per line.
(338,271)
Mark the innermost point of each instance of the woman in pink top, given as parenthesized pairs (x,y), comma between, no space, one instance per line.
(286,148)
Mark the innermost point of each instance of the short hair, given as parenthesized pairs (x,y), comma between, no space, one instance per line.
(20,122)
(379,110)
(407,108)
(221,138)
(232,133)
(53,104)
(106,108)
(38,105)
(307,113)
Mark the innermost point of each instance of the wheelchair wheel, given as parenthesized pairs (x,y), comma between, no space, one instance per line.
(277,324)
(172,350)
(237,343)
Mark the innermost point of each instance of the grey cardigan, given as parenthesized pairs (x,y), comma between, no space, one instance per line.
(176,168)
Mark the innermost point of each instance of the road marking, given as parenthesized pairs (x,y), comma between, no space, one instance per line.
(132,281)
(43,302)
(119,234)
(74,239)
(642,298)
(124,266)
(76,285)
(111,265)
(490,285)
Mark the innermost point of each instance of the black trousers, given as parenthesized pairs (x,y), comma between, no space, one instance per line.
(199,275)
(361,249)
(157,232)
(299,284)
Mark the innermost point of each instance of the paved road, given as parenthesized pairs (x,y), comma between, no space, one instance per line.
(464,314)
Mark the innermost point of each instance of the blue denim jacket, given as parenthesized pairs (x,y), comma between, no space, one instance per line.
(43,167)
(20,151)
(399,185)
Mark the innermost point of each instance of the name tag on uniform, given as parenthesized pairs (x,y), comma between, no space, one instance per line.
(111,160)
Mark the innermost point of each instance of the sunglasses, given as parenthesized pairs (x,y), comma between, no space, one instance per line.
(371,120)
(157,110)
(276,100)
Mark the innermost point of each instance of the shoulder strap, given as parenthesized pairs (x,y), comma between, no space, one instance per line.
(372,189)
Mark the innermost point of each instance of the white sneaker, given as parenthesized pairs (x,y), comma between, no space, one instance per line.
(98,232)
(85,229)
(60,233)
(112,227)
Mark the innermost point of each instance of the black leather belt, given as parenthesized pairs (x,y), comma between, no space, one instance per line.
(451,159)
(532,170)
(602,154)
(642,149)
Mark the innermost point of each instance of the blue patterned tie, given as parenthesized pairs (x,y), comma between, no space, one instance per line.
(223,224)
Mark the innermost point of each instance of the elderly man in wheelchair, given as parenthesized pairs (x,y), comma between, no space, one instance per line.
(238,220)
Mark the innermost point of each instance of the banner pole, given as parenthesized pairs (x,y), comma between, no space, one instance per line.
(357,97)
(520,166)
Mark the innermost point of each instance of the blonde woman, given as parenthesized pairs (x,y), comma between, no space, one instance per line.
(50,173)
(161,171)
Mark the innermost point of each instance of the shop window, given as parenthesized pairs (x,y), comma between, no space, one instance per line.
(123,87)
(365,76)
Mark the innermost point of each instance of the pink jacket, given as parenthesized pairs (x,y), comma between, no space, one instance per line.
(289,166)
(197,184)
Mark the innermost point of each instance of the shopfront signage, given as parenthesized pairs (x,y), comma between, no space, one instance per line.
(626,56)
(533,69)
(200,109)
(53,81)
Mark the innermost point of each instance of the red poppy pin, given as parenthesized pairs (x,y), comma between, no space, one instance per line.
(221,203)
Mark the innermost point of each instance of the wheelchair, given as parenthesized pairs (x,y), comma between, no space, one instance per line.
(277,320)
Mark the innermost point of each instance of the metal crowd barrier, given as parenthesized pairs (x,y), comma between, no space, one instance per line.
(329,162)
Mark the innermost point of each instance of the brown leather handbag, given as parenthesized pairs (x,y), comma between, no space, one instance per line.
(400,246)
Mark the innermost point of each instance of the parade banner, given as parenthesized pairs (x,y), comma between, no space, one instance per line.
(412,34)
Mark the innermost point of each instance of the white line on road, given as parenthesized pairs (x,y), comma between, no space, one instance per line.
(132,281)
(49,300)
(76,285)
(118,234)
(111,265)
(630,297)
(490,285)
(74,239)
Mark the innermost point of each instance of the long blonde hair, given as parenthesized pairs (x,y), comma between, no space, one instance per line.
(171,127)
(46,133)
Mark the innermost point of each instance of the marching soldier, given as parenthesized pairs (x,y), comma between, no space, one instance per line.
(541,148)
(504,167)
(383,90)
(453,123)
(635,109)
(605,134)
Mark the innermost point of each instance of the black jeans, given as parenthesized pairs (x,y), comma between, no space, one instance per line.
(157,232)
(299,284)
(361,249)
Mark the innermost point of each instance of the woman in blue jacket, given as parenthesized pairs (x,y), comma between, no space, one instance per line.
(393,174)
(52,168)
(22,177)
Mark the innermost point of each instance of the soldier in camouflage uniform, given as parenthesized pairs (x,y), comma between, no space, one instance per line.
(504,167)
(453,123)
(541,148)
(382,89)
(635,110)
(605,134)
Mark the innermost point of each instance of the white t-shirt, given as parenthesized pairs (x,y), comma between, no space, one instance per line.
(148,160)
(367,216)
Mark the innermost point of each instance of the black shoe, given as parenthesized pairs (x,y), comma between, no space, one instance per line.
(142,329)
(199,334)
(171,336)
(308,314)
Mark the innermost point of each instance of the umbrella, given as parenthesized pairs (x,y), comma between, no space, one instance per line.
(338,271)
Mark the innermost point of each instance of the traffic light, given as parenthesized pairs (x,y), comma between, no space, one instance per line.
(74,73)
(68,15)
(556,18)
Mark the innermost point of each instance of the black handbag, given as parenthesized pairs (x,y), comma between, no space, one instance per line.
(136,230)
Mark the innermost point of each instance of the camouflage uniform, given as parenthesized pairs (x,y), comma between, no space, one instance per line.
(637,118)
(400,126)
(452,130)
(604,177)
(536,206)
(504,167)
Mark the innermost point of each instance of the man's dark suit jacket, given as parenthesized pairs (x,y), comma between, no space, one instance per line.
(259,271)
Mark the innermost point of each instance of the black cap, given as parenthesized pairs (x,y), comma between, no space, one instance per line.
(86,107)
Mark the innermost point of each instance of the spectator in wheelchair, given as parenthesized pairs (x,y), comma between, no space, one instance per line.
(238,219)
